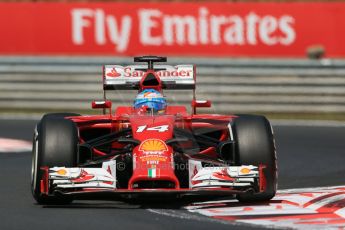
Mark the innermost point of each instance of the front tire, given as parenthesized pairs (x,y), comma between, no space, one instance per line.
(255,145)
(55,144)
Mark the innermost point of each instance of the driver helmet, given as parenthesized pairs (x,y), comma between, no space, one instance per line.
(150,100)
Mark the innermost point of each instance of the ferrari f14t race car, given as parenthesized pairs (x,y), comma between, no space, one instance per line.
(151,148)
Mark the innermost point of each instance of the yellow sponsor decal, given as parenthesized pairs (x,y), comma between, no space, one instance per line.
(245,170)
(61,172)
(153,145)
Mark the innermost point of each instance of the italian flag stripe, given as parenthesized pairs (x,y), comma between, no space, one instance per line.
(152,173)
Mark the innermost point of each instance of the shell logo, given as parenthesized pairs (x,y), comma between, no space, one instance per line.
(153,145)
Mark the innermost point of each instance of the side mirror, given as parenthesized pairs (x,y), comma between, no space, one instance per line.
(102,105)
(201,103)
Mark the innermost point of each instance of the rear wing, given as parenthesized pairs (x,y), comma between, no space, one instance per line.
(116,77)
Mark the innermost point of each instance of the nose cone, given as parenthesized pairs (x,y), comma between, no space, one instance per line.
(153,163)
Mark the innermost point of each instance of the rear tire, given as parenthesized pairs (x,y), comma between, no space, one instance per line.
(55,144)
(255,145)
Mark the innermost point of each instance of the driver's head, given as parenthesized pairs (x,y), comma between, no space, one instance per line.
(151,101)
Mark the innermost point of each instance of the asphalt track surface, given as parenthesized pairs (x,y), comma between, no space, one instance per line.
(308,157)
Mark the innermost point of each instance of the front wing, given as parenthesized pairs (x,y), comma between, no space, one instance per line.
(101,182)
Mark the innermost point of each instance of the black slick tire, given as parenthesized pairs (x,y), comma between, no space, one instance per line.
(254,145)
(55,143)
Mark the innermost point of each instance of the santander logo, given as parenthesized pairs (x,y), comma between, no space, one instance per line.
(113,73)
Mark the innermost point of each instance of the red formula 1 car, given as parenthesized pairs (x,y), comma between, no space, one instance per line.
(131,153)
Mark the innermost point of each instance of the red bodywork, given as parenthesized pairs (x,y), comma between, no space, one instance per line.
(176,116)
(152,156)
